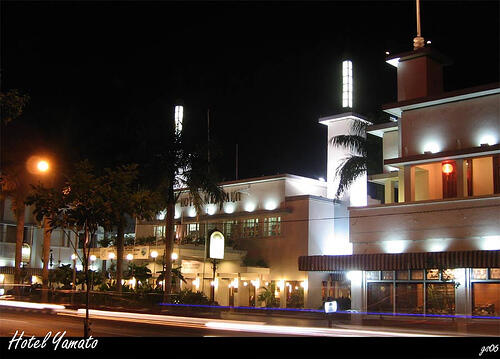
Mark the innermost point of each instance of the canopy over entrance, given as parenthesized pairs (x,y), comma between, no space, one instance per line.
(401,261)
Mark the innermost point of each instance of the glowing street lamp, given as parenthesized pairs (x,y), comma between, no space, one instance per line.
(42,166)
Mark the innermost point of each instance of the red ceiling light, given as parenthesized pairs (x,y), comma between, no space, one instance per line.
(447,168)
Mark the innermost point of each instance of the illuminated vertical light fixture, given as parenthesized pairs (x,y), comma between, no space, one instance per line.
(347,83)
(178,116)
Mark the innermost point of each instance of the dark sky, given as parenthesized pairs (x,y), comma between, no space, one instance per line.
(104,76)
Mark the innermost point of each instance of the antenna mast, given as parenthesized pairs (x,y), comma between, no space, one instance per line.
(418,41)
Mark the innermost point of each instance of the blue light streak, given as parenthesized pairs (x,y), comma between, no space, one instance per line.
(339,311)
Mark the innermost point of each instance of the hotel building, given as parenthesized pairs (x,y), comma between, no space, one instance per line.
(433,246)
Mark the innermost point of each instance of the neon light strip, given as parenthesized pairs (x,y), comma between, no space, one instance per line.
(339,311)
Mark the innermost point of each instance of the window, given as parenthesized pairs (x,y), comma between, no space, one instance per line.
(228,230)
(387,275)
(380,297)
(272,226)
(373,275)
(486,299)
(402,275)
(193,228)
(409,298)
(433,274)
(449,169)
(468,164)
(496,174)
(440,298)
(159,231)
(495,273)
(479,273)
(250,228)
(417,274)
(347,83)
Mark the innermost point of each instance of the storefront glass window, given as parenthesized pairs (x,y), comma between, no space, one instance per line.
(324,288)
(387,275)
(448,274)
(433,274)
(495,273)
(440,298)
(486,299)
(380,297)
(402,275)
(409,298)
(373,275)
(417,274)
(479,273)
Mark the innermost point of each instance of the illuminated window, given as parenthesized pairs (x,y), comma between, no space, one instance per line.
(387,275)
(179,114)
(192,229)
(272,226)
(229,229)
(480,273)
(495,273)
(250,228)
(449,179)
(373,275)
(159,231)
(486,299)
(433,274)
(440,298)
(347,83)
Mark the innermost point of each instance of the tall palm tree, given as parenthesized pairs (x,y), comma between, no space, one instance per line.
(15,185)
(355,164)
(182,169)
(13,177)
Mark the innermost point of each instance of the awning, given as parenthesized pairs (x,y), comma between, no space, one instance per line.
(401,261)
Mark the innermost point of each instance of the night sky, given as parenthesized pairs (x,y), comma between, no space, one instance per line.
(104,76)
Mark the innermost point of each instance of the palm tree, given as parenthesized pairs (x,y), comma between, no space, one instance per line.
(355,164)
(183,169)
(13,180)
(15,185)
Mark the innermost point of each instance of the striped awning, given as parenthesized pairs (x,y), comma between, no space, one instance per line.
(401,261)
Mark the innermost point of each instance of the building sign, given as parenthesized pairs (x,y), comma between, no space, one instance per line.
(216,245)
(234,196)
(141,252)
(330,307)
(191,266)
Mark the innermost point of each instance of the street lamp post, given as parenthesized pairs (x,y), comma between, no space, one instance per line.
(154,254)
(43,168)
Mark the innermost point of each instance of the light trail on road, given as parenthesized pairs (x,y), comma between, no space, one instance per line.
(214,324)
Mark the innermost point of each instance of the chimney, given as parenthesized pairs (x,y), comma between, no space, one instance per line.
(420,73)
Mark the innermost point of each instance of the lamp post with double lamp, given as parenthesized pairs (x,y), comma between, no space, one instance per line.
(111,256)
